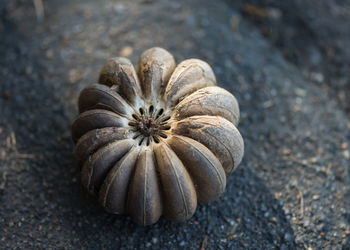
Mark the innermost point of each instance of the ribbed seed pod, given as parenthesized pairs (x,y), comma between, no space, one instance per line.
(158,140)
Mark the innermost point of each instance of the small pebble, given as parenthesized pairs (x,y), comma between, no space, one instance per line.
(287,237)
(74,75)
(119,8)
(126,51)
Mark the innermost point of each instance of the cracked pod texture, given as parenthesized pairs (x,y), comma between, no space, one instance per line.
(158,140)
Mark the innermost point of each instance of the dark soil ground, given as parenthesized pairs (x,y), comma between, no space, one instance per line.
(287,62)
(314,35)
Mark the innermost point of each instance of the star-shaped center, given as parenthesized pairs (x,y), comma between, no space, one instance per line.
(150,124)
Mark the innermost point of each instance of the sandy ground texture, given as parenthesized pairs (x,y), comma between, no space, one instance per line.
(291,191)
(314,35)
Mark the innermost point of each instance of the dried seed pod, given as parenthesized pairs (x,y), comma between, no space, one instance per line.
(158,141)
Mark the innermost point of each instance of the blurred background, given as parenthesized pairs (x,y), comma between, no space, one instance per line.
(313,35)
(287,63)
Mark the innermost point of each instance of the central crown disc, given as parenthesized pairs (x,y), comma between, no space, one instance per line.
(150,124)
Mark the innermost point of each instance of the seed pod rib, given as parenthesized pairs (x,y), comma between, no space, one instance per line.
(96,118)
(188,76)
(179,195)
(120,74)
(114,191)
(95,139)
(217,134)
(102,95)
(205,169)
(144,199)
(155,68)
(97,166)
(213,101)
